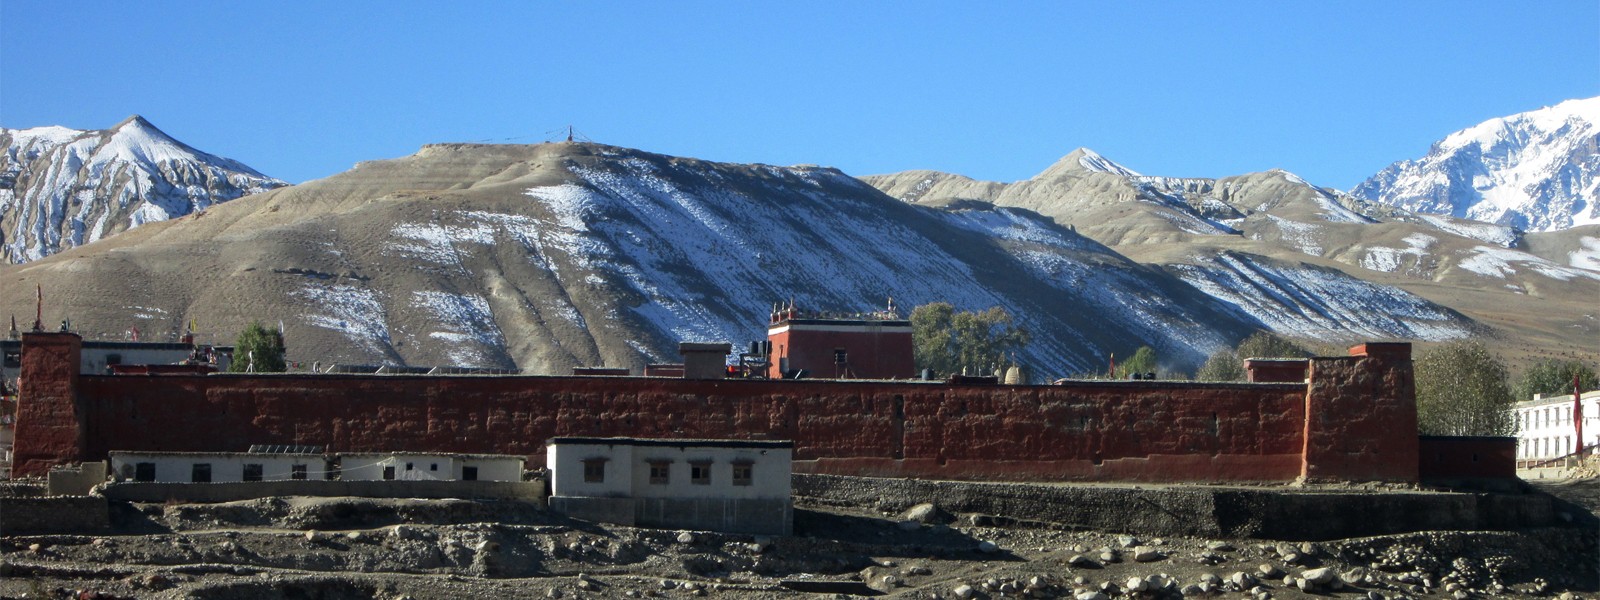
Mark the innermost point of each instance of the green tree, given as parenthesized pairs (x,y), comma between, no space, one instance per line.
(1265,344)
(1223,365)
(1550,376)
(950,342)
(1462,390)
(259,346)
(1142,361)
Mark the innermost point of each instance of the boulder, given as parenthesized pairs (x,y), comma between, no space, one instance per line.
(1147,554)
(1322,576)
(928,513)
(1083,562)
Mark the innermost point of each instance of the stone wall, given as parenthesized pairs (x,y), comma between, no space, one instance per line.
(36,515)
(76,480)
(1081,430)
(730,515)
(1195,511)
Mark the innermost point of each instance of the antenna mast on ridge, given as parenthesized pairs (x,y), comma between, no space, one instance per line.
(569,133)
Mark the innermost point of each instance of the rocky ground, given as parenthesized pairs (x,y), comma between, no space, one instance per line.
(357,548)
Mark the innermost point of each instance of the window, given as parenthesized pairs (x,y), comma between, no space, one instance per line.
(700,473)
(145,471)
(594,470)
(388,472)
(660,472)
(433,467)
(742,473)
(201,473)
(252,472)
(469,473)
(409,466)
(297,472)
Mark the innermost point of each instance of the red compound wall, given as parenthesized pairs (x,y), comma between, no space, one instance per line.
(1093,430)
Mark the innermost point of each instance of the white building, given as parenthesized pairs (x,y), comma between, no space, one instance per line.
(424,466)
(300,463)
(1546,428)
(739,486)
(217,467)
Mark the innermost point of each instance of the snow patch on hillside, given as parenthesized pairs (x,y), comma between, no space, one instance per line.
(466,326)
(1488,232)
(356,312)
(1500,263)
(1311,302)
(1388,260)
(1305,237)
(1587,256)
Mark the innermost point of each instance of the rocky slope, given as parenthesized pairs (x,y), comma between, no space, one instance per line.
(1536,171)
(61,188)
(369,548)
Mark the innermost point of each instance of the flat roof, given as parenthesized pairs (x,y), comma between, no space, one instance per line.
(433,454)
(850,322)
(255,455)
(670,442)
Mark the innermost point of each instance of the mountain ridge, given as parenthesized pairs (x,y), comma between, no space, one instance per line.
(551,256)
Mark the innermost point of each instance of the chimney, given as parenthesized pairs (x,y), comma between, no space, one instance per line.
(705,360)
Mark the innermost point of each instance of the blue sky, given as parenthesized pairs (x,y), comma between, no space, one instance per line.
(1333,91)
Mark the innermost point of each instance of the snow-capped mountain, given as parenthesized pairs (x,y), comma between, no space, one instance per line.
(551,256)
(61,188)
(1536,171)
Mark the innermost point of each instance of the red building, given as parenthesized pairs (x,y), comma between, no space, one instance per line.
(866,346)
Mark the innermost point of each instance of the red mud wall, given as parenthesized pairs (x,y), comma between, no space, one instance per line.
(1130,431)
(48,422)
(1362,416)
(1467,457)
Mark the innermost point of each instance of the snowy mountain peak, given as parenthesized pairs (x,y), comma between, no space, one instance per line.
(1085,160)
(1536,171)
(62,187)
(1547,119)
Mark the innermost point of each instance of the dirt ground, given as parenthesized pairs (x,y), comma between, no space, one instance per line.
(359,548)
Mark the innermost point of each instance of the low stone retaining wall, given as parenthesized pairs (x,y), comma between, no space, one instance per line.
(32,515)
(732,515)
(1197,511)
(233,491)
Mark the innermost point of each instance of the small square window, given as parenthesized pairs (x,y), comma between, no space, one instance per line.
(660,472)
(742,474)
(201,473)
(594,470)
(433,467)
(297,472)
(409,466)
(145,471)
(700,473)
(252,472)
